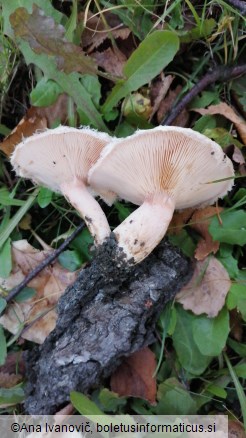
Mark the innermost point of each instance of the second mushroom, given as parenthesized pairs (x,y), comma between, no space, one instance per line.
(161,169)
(60,159)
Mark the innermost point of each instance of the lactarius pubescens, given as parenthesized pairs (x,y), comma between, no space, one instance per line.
(161,169)
(60,159)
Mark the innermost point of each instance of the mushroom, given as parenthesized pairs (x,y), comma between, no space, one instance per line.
(161,169)
(60,159)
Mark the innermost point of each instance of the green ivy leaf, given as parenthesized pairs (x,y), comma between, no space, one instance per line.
(206,98)
(232,230)
(236,298)
(70,260)
(186,348)
(204,122)
(11,395)
(210,334)
(173,399)
(44,197)
(3,304)
(110,401)
(228,261)
(82,244)
(25,294)
(183,241)
(45,93)
(217,390)
(84,405)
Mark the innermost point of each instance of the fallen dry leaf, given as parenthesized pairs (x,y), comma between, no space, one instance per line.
(112,61)
(225,110)
(166,105)
(36,120)
(237,156)
(236,429)
(200,221)
(29,124)
(206,291)
(13,361)
(46,37)
(49,284)
(9,380)
(57,112)
(96,31)
(134,377)
(158,91)
(236,325)
(179,219)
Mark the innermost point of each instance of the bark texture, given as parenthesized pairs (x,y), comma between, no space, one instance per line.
(108,313)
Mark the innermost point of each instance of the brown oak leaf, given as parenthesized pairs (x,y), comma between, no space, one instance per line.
(46,37)
(227,111)
(38,312)
(200,221)
(206,291)
(134,377)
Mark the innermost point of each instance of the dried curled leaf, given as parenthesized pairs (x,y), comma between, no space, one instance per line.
(166,105)
(49,285)
(112,61)
(29,124)
(200,221)
(46,37)
(179,220)
(9,380)
(134,377)
(206,291)
(96,31)
(228,112)
(35,120)
(236,429)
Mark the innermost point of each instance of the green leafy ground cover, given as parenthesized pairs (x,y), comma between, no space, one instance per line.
(201,360)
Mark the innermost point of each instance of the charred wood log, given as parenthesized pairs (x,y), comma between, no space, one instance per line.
(108,313)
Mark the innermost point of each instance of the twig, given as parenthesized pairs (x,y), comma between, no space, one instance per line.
(221,74)
(238,4)
(47,261)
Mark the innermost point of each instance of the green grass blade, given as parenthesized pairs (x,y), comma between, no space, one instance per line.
(155,52)
(13,222)
(239,388)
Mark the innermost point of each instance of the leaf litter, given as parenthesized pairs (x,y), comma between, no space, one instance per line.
(226,111)
(38,311)
(207,290)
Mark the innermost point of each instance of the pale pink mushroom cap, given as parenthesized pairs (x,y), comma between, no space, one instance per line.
(60,159)
(166,165)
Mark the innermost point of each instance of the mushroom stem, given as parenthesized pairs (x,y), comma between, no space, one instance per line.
(141,232)
(78,195)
